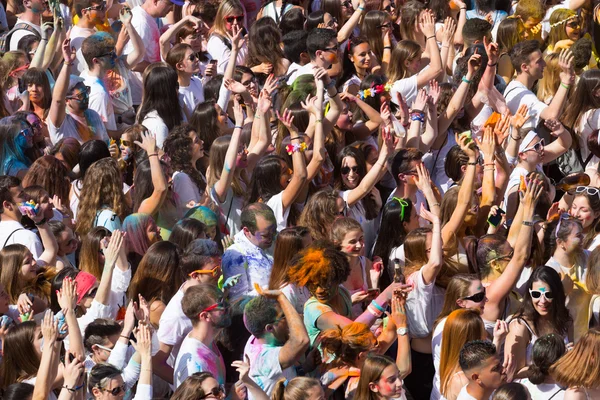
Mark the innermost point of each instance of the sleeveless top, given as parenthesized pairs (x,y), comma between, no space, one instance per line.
(358,308)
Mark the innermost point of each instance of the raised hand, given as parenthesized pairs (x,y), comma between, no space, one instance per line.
(72,371)
(227,241)
(502,128)
(448,31)
(491,49)
(347,96)
(236,38)
(427,23)
(235,86)
(287,119)
(67,295)
(487,144)
(49,328)
(474,64)
(111,253)
(420,101)
(270,84)
(269,294)
(129,321)
(68,51)
(24,303)
(47,29)
(322,74)
(520,118)
(398,309)
(238,113)
(500,331)
(434,92)
(466,145)
(148,143)
(556,128)
(428,215)
(312,105)
(142,313)
(264,102)
(386,114)
(532,193)
(422,180)
(125,16)
(403,112)
(567,67)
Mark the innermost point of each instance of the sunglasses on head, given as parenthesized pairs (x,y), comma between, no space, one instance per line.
(116,391)
(477,297)
(539,146)
(239,19)
(346,170)
(536,294)
(403,204)
(592,191)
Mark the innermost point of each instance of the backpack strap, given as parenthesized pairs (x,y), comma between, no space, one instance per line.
(9,236)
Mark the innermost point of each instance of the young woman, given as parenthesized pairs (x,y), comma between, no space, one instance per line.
(160,111)
(184,147)
(586,208)
(91,256)
(209,121)
(187,230)
(230,18)
(289,242)
(67,152)
(347,235)
(142,232)
(510,32)
(565,29)
(210,220)
(157,278)
(379,379)
(51,174)
(67,244)
(40,95)
(14,65)
(573,369)
(548,85)
(184,60)
(569,259)
(358,62)
(15,139)
(264,48)
(547,350)
(299,388)
(320,212)
(543,312)
(377,27)
(102,200)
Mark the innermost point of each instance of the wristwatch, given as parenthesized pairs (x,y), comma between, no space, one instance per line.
(402,331)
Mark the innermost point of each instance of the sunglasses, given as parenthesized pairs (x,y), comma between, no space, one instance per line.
(504,257)
(332,49)
(217,392)
(239,19)
(214,272)
(100,7)
(104,348)
(332,22)
(81,95)
(403,204)
(193,57)
(477,297)
(346,170)
(347,4)
(539,146)
(536,294)
(221,305)
(592,191)
(126,143)
(390,7)
(116,391)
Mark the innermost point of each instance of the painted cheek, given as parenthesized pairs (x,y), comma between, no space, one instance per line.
(350,248)
(331,57)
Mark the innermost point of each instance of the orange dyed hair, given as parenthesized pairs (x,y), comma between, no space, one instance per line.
(348,342)
(580,367)
(319,264)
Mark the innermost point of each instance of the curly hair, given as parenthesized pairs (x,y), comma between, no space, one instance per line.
(347,343)
(178,146)
(319,213)
(51,174)
(320,265)
(102,187)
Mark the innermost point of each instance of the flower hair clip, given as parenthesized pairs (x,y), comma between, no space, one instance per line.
(373,91)
(295,147)
(564,21)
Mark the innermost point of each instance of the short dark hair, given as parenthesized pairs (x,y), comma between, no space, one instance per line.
(582,51)
(251,211)
(520,53)
(258,313)
(100,373)
(197,254)
(294,44)
(319,39)
(80,5)
(98,331)
(474,353)
(402,160)
(197,298)
(475,29)
(96,45)
(7,182)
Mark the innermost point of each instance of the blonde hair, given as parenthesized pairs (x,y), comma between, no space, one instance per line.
(592,278)
(295,389)
(347,343)
(548,85)
(341,227)
(558,25)
(580,367)
(405,50)
(226,8)
(461,326)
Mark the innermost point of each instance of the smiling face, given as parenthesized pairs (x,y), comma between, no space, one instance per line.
(581,209)
(389,384)
(29,268)
(350,175)
(542,305)
(361,56)
(197,146)
(533,156)
(190,63)
(353,243)
(413,65)
(344,121)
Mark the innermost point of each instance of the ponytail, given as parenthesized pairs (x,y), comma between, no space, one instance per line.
(348,342)
(279,390)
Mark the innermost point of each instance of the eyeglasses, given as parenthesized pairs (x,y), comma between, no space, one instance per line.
(104,348)
(27,132)
(239,19)
(216,392)
(332,49)
(81,95)
(504,257)
(592,191)
(390,7)
(193,57)
(386,25)
(214,272)
(536,294)
(332,22)
(126,143)
(110,54)
(116,391)
(403,204)
(347,4)
(477,297)
(346,170)
(221,305)
(100,7)
(539,146)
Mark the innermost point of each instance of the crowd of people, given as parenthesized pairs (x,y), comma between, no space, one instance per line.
(300,200)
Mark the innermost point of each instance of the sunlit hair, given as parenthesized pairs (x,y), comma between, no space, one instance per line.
(143,186)
(191,387)
(511,391)
(20,361)
(410,14)
(11,259)
(177,54)
(371,29)
(580,367)
(51,174)
(371,372)
(487,247)
(346,344)
(178,146)
(12,149)
(67,150)
(37,76)
(187,230)
(415,249)
(10,61)
(102,187)
(510,32)
(226,8)
(461,326)
(592,278)
(458,287)
(320,265)
(341,227)
(582,100)
(295,389)
(264,44)
(594,205)
(404,51)
(265,182)
(548,85)
(289,242)
(348,51)
(135,226)
(218,151)
(90,250)
(161,95)
(546,351)
(558,25)
(320,212)
(158,275)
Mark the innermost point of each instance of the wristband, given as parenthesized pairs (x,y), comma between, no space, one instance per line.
(435,205)
(237,127)
(72,390)
(374,312)
(361,8)
(565,86)
(493,65)
(463,8)
(42,222)
(465,80)
(295,147)
(153,155)
(528,223)
(377,306)
(517,138)
(429,37)
(387,47)
(472,163)
(319,120)
(124,337)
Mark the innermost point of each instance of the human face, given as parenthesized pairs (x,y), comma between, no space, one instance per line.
(573,29)
(265,234)
(212,389)
(249,81)
(536,65)
(350,176)
(492,374)
(29,268)
(36,124)
(36,93)
(190,63)
(96,12)
(574,242)
(102,352)
(25,137)
(329,55)
(163,7)
(38,6)
(330,22)
(153,232)
(414,65)
(581,209)
(314,393)
(221,117)
(323,292)
(211,231)
(285,176)
(470,301)
(409,176)
(361,56)
(241,160)
(195,41)
(353,243)
(79,97)
(413,221)
(531,22)
(197,146)
(279,327)
(344,121)
(86,302)
(234,19)
(125,144)
(543,303)
(116,385)
(210,272)
(67,242)
(389,385)
(37,340)
(389,6)
(108,60)
(534,154)
(347,8)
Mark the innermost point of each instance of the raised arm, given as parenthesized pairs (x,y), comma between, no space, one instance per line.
(447,52)
(462,19)
(159,182)
(40,219)
(139,49)
(228,171)
(38,58)
(487,147)
(567,78)
(67,300)
(346,30)
(314,106)
(110,256)
(58,111)
(237,40)
(46,372)
(431,118)
(261,130)
(363,131)
(560,145)
(423,182)
(167,37)
(435,70)
(417,120)
(296,146)
(436,255)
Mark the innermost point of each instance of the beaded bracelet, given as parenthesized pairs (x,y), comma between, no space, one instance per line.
(295,147)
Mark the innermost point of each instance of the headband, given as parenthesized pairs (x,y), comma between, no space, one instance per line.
(554,25)
(374,90)
(527,140)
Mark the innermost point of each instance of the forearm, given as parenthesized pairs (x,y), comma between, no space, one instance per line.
(158,177)
(228,170)
(434,54)
(43,382)
(431,132)
(512,148)
(558,101)
(346,30)
(52,46)
(168,36)
(462,19)
(456,104)
(231,65)
(373,115)
(403,361)
(488,194)
(76,346)
(139,49)
(38,58)
(413,139)
(103,293)
(295,322)
(146,373)
(161,368)
(49,243)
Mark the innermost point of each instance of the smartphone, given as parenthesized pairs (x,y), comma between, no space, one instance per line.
(373,291)
(5,321)
(494,220)
(214,62)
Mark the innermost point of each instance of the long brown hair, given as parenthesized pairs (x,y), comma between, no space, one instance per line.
(371,28)
(293,390)
(90,248)
(288,244)
(405,50)
(580,367)
(371,372)
(319,213)
(461,326)
(415,249)
(11,260)
(20,360)
(51,174)
(218,151)
(458,287)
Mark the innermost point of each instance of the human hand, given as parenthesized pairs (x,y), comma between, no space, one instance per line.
(509,366)
(449,30)
(243,368)
(313,106)
(428,215)
(264,102)
(125,16)
(473,65)
(487,144)
(500,331)
(148,143)
(287,119)
(47,29)
(211,69)
(49,328)
(434,93)
(268,293)
(387,147)
(502,128)
(111,253)
(67,295)
(491,49)
(323,75)
(467,145)
(399,310)
(422,179)
(238,113)
(129,321)
(567,67)
(556,128)
(68,51)
(359,297)
(237,38)
(386,114)
(347,96)
(235,86)
(520,118)
(142,312)
(420,101)
(403,112)
(264,68)
(143,337)
(533,192)
(427,23)
(226,242)
(396,287)
(72,371)
(24,303)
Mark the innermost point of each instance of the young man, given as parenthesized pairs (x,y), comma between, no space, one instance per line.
(272,350)
(248,255)
(200,265)
(483,368)
(528,61)
(294,49)
(209,312)
(28,23)
(90,13)
(100,57)
(322,46)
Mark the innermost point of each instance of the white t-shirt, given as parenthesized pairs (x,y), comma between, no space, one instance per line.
(173,325)
(21,33)
(186,191)
(230,210)
(194,356)
(307,69)
(219,51)
(155,124)
(100,100)
(69,128)
(588,123)
(78,35)
(192,95)
(543,391)
(407,87)
(265,369)
(435,161)
(20,235)
(516,94)
(423,305)
(281,215)
(464,395)
(436,347)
